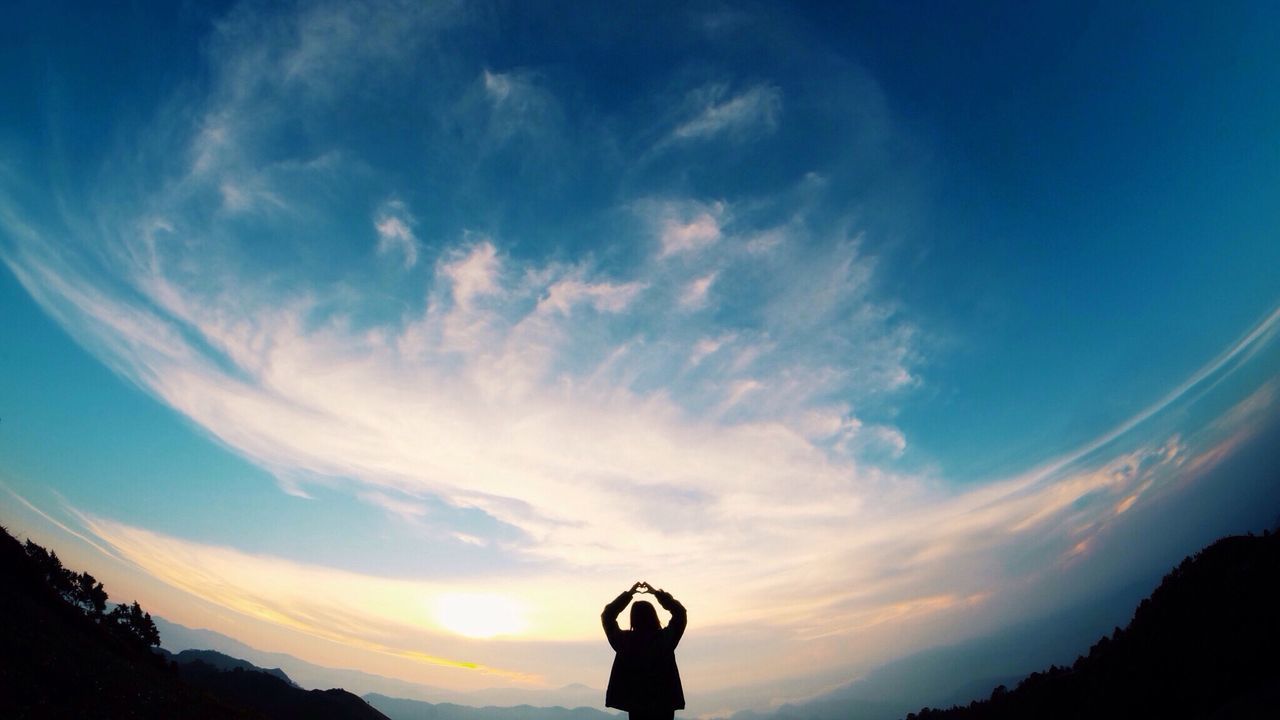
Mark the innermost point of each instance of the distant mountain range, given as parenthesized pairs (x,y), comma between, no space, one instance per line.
(269,693)
(1204,644)
(402,709)
(276,695)
(177,637)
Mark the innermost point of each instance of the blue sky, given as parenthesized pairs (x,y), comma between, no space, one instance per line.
(851,325)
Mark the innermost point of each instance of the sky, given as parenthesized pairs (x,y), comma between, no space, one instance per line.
(404,336)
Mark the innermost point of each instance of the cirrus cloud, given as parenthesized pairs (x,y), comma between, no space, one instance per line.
(649,375)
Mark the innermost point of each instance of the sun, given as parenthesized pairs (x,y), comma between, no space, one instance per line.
(479,615)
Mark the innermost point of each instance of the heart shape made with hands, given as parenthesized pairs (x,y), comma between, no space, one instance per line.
(644,588)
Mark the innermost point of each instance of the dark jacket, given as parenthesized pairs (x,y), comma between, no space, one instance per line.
(644,674)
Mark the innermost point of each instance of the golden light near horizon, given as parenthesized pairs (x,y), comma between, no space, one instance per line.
(480,615)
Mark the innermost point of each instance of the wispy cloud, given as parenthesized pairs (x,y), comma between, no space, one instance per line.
(646,375)
(699,231)
(501,396)
(718,112)
(395,232)
(517,105)
(908,555)
(684,226)
(695,293)
(544,427)
(603,296)
(472,273)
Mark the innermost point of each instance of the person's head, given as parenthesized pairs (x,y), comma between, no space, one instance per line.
(644,619)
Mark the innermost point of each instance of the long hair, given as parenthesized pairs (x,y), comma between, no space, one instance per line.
(644,619)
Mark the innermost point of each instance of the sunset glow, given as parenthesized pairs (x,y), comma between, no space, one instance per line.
(402,337)
(479,616)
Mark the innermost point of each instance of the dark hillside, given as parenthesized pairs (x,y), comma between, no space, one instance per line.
(274,697)
(58,662)
(63,655)
(221,661)
(1206,644)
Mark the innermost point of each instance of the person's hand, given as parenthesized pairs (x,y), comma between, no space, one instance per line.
(639,587)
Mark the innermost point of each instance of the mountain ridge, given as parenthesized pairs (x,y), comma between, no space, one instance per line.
(222,662)
(176,637)
(1203,644)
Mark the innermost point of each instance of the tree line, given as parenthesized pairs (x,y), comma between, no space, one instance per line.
(83,592)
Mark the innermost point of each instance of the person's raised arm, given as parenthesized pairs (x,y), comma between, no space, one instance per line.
(679,618)
(609,618)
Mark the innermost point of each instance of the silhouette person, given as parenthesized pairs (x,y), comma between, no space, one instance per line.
(644,680)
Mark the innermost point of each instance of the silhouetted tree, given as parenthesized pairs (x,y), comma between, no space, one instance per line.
(90,595)
(60,579)
(134,624)
(84,592)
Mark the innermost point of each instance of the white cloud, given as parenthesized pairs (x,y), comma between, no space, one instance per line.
(233,197)
(685,226)
(738,390)
(891,438)
(395,232)
(603,297)
(495,422)
(404,508)
(823,423)
(754,109)
(517,104)
(497,85)
(700,231)
(695,293)
(473,273)
(706,346)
